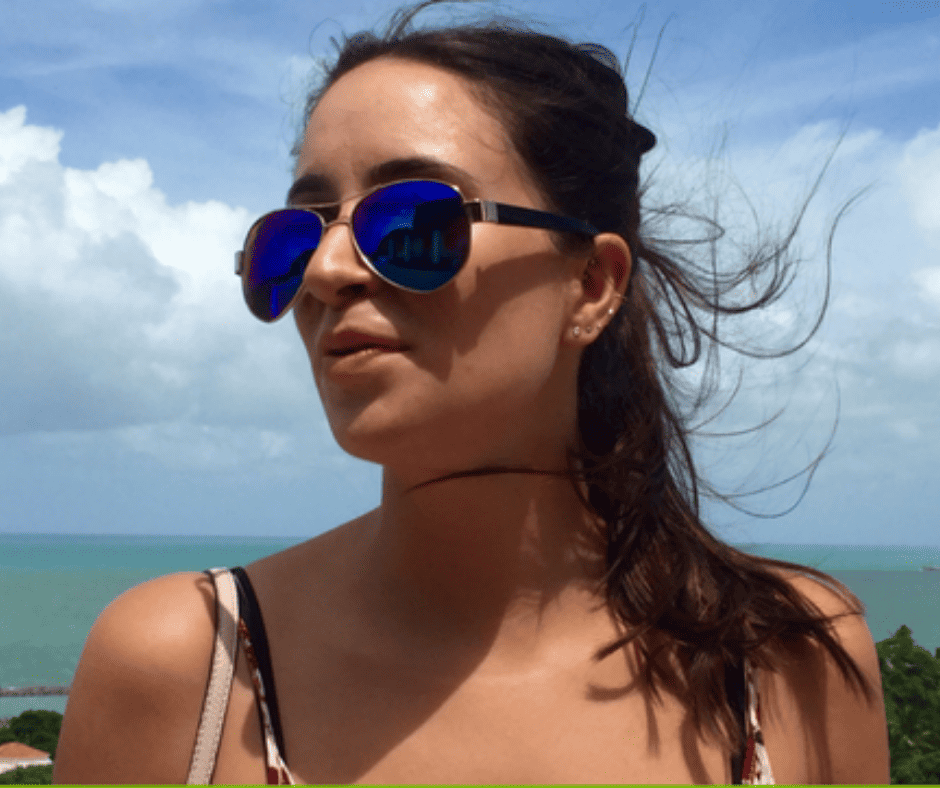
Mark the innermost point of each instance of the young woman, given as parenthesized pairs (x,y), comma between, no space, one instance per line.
(536,599)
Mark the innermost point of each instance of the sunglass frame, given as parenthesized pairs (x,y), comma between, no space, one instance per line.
(476,210)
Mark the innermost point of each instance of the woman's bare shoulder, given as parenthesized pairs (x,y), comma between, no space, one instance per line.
(812,709)
(136,698)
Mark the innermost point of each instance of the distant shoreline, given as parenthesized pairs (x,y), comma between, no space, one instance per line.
(28,692)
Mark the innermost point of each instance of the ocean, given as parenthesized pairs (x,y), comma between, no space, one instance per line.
(53,587)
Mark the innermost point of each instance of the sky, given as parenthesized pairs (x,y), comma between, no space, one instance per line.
(139,139)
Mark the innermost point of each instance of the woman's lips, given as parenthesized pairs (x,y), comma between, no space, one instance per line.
(352,350)
(345,342)
(359,360)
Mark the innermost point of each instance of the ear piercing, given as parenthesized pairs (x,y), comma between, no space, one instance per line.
(576,331)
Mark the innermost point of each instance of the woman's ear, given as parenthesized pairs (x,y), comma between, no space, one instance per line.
(612,258)
(604,279)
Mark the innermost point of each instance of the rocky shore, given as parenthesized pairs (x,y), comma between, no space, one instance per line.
(25,692)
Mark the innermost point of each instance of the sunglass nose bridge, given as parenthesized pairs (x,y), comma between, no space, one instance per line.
(328,224)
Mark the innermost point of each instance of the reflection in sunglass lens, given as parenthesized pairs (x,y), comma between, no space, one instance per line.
(277,253)
(415,234)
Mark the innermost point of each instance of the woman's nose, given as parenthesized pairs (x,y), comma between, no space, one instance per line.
(335,270)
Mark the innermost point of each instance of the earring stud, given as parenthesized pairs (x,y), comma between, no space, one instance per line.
(576,331)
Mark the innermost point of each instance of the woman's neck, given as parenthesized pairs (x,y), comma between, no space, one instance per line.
(506,562)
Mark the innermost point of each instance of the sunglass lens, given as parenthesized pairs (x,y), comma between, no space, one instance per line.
(416,234)
(276,254)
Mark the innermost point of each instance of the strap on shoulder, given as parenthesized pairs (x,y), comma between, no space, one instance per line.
(735,686)
(215,703)
(251,615)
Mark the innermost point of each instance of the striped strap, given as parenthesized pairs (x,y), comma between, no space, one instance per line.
(758,764)
(220,678)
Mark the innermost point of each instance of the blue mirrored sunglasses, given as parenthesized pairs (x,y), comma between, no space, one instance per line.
(412,234)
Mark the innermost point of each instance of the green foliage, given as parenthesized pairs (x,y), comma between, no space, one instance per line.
(27,775)
(910,678)
(39,729)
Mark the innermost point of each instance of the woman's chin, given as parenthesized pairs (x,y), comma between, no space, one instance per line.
(372,442)
(399,457)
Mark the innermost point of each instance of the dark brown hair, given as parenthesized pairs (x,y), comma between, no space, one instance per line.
(669,580)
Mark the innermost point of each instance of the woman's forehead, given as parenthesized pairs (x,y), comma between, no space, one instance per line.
(392,109)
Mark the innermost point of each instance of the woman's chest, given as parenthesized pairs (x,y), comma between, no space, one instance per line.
(342,726)
(540,735)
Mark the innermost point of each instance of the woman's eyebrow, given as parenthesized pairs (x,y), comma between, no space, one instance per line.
(313,188)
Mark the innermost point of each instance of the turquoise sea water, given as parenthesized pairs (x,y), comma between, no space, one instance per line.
(53,587)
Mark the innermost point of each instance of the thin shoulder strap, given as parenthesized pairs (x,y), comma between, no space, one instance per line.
(220,678)
(251,614)
(735,679)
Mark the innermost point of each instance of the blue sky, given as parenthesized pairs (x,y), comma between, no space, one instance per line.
(140,138)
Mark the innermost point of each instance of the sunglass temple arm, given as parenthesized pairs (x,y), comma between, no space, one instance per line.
(489,211)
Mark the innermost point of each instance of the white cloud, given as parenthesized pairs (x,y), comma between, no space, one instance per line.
(118,309)
(771,91)
(928,279)
(906,429)
(878,343)
(164,8)
(120,312)
(918,358)
(205,447)
(23,144)
(920,171)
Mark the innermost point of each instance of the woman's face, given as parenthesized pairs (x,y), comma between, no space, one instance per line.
(487,376)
